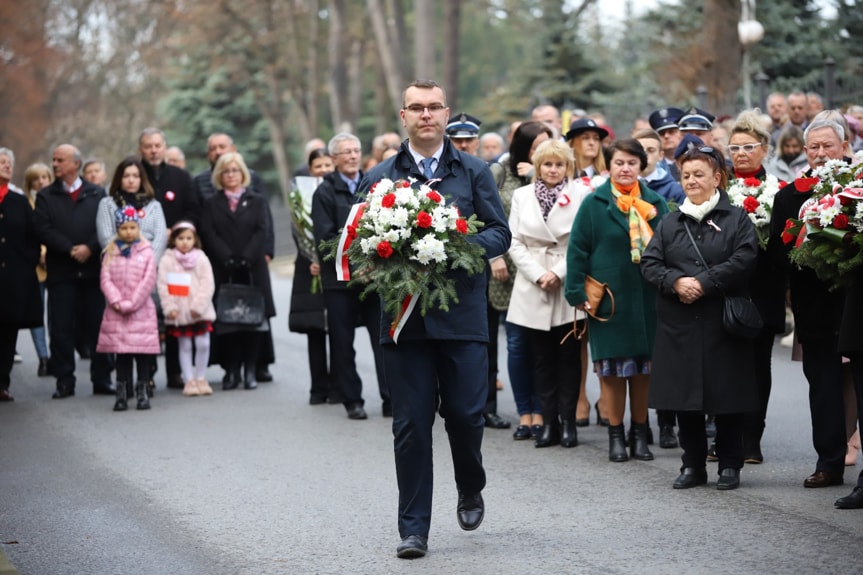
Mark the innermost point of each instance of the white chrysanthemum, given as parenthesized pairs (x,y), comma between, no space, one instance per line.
(429,249)
(827,213)
(369,245)
(391,236)
(383,187)
(400,217)
(441,219)
(406,197)
(383,221)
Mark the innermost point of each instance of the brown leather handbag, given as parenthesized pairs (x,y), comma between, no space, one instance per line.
(595,291)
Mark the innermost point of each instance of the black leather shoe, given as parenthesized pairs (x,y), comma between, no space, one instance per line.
(852,501)
(823,479)
(568,433)
(638,449)
(356,411)
(5,395)
(729,478)
(690,477)
(263,375)
(470,511)
(104,389)
(63,392)
(521,433)
(249,381)
(617,444)
(412,547)
(550,436)
(535,431)
(667,438)
(495,421)
(231,380)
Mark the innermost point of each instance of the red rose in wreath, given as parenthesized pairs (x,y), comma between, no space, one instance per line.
(840,222)
(385,250)
(424,219)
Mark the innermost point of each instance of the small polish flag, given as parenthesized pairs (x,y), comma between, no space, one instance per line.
(179,284)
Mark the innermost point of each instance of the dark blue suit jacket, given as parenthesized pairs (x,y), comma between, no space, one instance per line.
(466,181)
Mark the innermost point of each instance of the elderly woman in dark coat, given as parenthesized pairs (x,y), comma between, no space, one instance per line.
(19,287)
(715,374)
(234,227)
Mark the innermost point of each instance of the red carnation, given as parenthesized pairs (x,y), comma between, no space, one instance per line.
(388,200)
(434,196)
(805,184)
(405,184)
(840,221)
(787,236)
(372,189)
(352,232)
(782,184)
(424,219)
(751,182)
(461,226)
(845,200)
(385,249)
(750,204)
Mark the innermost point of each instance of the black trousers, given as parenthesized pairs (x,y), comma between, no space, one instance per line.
(493,328)
(8,339)
(345,311)
(76,307)
(556,371)
(762,349)
(857,374)
(144,362)
(822,366)
(318,364)
(693,439)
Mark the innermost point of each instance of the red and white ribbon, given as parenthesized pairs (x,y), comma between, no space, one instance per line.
(343,269)
(408,306)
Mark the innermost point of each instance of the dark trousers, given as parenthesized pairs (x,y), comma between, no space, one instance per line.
(143,361)
(693,439)
(318,364)
(8,339)
(418,372)
(172,357)
(822,366)
(65,299)
(345,311)
(493,328)
(857,374)
(762,348)
(556,371)
(239,349)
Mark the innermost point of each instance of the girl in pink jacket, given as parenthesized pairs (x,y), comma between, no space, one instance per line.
(129,326)
(186,289)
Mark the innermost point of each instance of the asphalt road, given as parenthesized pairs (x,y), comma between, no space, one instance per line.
(259,482)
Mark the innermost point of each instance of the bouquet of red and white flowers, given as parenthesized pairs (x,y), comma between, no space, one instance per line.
(828,233)
(401,242)
(756,198)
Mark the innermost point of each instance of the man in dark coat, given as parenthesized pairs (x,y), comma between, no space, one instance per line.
(217,144)
(444,355)
(817,314)
(331,204)
(19,286)
(66,224)
(175,191)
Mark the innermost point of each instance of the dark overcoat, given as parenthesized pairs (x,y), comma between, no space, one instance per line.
(697,365)
(19,255)
(238,235)
(599,245)
(307,312)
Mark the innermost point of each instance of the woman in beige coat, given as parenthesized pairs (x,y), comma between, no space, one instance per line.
(540,220)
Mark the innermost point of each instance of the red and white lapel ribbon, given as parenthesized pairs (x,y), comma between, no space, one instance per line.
(343,269)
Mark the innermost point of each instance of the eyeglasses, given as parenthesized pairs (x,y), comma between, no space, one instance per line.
(748,148)
(232,171)
(420,108)
(355,151)
(695,152)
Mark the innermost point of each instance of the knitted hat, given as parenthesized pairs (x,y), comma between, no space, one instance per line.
(126,214)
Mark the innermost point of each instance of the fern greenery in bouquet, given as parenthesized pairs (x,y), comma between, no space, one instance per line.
(828,233)
(402,242)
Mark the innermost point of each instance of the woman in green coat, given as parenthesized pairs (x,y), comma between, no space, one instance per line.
(611,230)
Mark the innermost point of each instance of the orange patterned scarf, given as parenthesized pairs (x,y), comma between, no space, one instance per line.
(639,212)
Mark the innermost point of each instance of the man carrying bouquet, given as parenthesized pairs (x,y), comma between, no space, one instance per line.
(441,356)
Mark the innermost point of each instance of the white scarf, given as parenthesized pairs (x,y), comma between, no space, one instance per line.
(697,212)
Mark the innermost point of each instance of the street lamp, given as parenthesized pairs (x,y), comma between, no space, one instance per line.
(750,32)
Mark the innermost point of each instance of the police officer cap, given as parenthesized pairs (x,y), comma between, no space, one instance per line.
(665,118)
(687,142)
(463,126)
(585,125)
(696,119)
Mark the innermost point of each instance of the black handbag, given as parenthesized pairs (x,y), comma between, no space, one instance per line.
(740,316)
(239,304)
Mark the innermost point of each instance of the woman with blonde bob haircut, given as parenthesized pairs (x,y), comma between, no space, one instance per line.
(223,163)
(541,219)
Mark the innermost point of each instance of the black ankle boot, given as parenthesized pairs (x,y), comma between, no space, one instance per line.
(232,378)
(639,449)
(616,444)
(550,435)
(249,381)
(120,404)
(568,433)
(141,394)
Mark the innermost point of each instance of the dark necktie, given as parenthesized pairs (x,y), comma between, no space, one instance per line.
(427,168)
